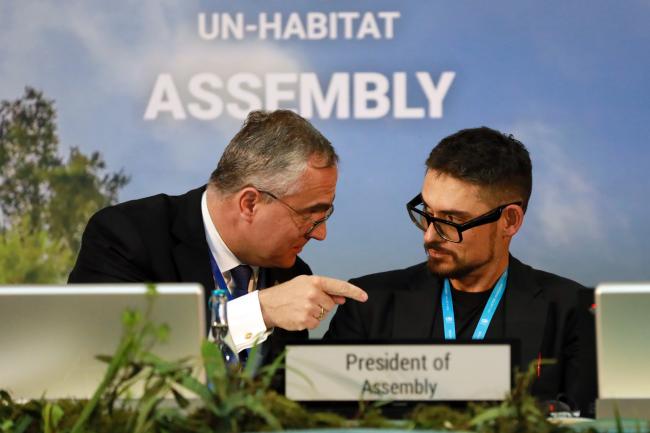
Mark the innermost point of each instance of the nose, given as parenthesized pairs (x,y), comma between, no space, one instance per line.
(431,235)
(319,233)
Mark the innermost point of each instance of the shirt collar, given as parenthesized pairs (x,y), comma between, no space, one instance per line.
(220,251)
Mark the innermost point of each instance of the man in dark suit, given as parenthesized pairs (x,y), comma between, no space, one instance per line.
(272,191)
(472,203)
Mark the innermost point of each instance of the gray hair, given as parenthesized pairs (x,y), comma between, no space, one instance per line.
(270,152)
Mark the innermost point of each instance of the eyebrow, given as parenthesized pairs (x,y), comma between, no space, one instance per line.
(452,212)
(320,207)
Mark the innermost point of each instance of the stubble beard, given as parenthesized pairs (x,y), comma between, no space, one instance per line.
(457,269)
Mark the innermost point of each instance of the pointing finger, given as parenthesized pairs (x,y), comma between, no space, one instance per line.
(332,286)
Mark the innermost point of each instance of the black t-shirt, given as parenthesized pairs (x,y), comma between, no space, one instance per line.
(468,307)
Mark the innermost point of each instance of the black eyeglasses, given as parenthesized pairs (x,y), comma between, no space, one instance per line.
(448,230)
(305,218)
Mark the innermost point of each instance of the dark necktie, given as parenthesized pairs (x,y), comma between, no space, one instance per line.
(241,275)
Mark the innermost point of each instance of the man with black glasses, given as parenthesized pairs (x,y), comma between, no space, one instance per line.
(271,193)
(472,203)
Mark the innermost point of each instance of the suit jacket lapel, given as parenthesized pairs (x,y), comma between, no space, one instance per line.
(191,253)
(416,307)
(526,308)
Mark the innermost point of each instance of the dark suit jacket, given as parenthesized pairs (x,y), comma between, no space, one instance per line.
(160,239)
(539,310)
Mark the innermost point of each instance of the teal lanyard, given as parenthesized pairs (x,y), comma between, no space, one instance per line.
(484,322)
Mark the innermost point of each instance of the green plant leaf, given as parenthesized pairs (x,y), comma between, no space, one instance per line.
(161,366)
(619,421)
(202,391)
(491,414)
(152,292)
(181,401)
(5,397)
(6,425)
(255,405)
(131,318)
(268,372)
(104,358)
(162,333)
(215,368)
(23,424)
(51,415)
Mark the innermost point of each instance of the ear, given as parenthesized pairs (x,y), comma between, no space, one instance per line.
(513,218)
(247,201)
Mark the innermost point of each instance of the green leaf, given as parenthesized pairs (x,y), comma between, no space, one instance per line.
(151,290)
(268,372)
(23,423)
(256,406)
(202,391)
(4,396)
(215,367)
(131,318)
(46,416)
(51,414)
(153,395)
(617,417)
(104,358)
(6,425)
(161,366)
(491,414)
(181,401)
(162,333)
(251,366)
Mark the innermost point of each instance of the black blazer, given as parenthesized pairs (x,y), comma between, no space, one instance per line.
(161,239)
(539,310)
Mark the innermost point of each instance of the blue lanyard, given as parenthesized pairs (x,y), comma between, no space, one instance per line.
(221,283)
(484,322)
(218,277)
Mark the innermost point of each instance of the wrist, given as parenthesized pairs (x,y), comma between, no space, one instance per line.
(264,299)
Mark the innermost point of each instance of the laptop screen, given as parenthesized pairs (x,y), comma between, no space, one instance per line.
(50,335)
(623,340)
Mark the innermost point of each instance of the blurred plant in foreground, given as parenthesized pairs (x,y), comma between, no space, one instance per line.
(181,396)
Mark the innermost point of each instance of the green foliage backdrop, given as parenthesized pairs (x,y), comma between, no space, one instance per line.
(45,199)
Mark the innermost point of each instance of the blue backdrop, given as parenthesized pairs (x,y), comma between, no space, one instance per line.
(158,87)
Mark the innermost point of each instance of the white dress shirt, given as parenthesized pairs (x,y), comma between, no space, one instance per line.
(245,319)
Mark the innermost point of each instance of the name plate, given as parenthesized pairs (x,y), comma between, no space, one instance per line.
(406,372)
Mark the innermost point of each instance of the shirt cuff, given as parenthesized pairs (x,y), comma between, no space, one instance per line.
(245,321)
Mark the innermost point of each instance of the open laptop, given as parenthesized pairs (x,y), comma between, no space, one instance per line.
(50,335)
(623,340)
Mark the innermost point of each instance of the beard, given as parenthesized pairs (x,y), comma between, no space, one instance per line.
(457,269)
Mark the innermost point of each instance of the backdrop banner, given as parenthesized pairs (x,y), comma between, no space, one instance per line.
(159,88)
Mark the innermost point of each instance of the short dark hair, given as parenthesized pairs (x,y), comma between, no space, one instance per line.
(270,152)
(487,158)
